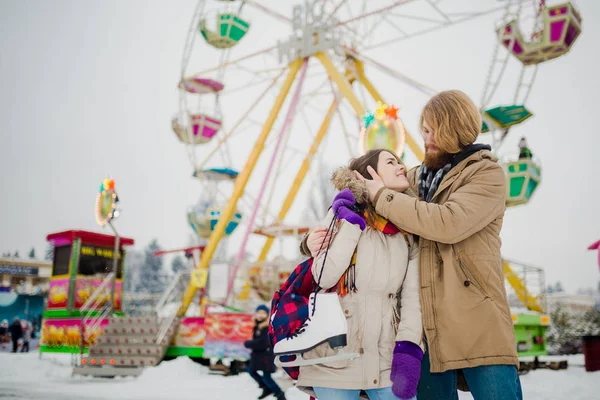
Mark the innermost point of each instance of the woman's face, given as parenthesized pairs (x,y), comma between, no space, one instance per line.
(392,172)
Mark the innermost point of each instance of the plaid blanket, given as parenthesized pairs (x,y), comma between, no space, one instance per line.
(289,308)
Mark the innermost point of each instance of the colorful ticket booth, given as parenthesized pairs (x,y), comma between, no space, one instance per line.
(82,261)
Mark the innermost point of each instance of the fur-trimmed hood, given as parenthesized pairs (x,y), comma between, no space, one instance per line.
(345,178)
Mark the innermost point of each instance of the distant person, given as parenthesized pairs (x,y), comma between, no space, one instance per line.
(4,336)
(3,328)
(262,358)
(34,329)
(26,337)
(16,333)
(524,152)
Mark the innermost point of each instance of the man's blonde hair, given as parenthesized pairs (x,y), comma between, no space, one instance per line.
(455,120)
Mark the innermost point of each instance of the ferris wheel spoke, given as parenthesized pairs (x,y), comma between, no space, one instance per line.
(241,119)
(499,59)
(396,74)
(247,70)
(440,25)
(363,22)
(248,201)
(268,11)
(278,169)
(525,84)
(191,35)
(336,8)
(305,119)
(416,18)
(312,107)
(338,97)
(251,84)
(238,60)
(395,26)
(437,9)
(375,12)
(351,29)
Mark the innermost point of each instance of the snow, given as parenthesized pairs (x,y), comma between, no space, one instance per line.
(25,376)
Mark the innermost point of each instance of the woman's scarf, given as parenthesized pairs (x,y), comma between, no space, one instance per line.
(347,282)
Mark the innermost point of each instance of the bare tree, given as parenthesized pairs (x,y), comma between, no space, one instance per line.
(321,194)
(49,253)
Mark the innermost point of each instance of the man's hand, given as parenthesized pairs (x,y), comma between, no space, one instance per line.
(317,240)
(373,185)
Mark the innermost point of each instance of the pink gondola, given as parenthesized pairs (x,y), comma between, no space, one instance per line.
(196,84)
(561,27)
(203,128)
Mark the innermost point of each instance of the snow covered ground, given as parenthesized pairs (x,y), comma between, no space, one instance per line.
(25,376)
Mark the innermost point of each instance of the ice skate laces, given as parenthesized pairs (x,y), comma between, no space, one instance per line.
(313,306)
(302,327)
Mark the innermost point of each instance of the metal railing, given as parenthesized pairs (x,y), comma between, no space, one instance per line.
(95,310)
(533,292)
(169,303)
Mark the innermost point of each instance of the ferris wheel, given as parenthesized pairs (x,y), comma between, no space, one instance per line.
(282,79)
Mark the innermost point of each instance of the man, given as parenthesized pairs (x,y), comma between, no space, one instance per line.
(524,152)
(458,216)
(262,358)
(16,332)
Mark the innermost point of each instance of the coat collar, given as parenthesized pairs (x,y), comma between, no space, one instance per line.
(454,173)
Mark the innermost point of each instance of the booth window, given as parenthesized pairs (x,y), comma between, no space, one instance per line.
(97,265)
(62,256)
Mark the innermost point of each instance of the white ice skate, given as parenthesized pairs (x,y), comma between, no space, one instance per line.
(327,324)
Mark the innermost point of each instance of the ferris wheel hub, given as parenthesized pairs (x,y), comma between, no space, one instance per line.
(313,32)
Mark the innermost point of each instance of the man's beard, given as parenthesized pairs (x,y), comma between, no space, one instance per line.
(437,160)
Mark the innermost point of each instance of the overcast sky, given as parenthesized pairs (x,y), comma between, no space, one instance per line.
(89,89)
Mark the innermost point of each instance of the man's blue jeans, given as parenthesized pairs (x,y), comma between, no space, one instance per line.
(488,382)
(345,394)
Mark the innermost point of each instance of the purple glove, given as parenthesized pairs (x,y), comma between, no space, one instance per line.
(341,203)
(406,369)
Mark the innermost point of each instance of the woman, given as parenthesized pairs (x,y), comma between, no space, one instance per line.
(379,293)
(26,336)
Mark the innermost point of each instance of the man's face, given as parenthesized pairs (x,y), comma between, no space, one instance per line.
(434,157)
(429,139)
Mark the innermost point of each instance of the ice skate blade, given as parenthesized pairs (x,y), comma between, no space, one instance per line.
(300,361)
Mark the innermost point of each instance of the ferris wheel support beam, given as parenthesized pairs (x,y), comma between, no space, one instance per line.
(360,69)
(283,132)
(289,199)
(238,190)
(342,83)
